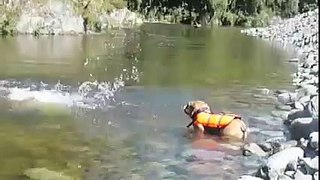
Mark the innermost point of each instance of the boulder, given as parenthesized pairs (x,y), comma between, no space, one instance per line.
(278,162)
(302,127)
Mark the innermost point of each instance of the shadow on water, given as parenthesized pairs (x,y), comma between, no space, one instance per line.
(140,132)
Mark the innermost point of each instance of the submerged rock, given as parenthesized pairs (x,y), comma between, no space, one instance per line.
(253,149)
(199,154)
(45,174)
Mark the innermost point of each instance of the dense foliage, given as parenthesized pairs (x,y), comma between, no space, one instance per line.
(221,12)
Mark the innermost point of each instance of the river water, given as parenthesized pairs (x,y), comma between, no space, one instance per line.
(110,106)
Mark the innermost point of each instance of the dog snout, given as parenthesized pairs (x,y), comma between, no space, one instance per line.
(185,109)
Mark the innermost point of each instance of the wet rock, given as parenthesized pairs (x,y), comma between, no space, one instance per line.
(253,149)
(283,107)
(272,133)
(281,114)
(275,147)
(45,174)
(278,162)
(248,177)
(295,114)
(288,144)
(302,127)
(300,32)
(287,98)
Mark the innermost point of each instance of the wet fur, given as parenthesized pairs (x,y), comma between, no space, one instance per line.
(236,129)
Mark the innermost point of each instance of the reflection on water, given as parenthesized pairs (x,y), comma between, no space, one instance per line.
(137,131)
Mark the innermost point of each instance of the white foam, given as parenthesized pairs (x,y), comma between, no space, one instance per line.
(43,96)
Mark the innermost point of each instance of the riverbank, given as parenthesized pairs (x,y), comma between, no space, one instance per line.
(51,17)
(64,18)
(296,156)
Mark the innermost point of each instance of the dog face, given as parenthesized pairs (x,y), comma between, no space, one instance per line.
(193,106)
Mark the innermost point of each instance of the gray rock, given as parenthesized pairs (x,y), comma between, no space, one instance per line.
(290,174)
(304,99)
(316,175)
(283,107)
(59,18)
(308,89)
(278,162)
(253,149)
(313,107)
(311,165)
(281,114)
(295,114)
(314,140)
(302,127)
(248,177)
(287,98)
(272,133)
(302,33)
(299,106)
(300,176)
(314,69)
(284,177)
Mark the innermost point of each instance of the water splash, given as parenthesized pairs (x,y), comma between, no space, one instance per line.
(89,95)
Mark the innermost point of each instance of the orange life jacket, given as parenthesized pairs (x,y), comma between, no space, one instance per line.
(215,120)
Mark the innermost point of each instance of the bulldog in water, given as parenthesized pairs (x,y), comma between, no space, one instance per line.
(204,121)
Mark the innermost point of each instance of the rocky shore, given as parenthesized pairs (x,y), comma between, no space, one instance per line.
(58,17)
(295,156)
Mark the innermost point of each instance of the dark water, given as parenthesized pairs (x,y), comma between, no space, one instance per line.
(135,131)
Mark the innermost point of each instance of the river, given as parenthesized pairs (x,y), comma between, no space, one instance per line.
(110,106)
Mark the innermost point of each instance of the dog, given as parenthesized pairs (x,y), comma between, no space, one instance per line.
(204,121)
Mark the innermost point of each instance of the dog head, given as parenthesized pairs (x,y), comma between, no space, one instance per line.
(193,107)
